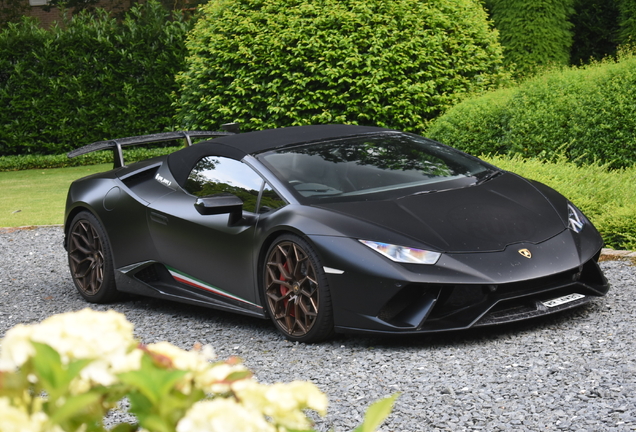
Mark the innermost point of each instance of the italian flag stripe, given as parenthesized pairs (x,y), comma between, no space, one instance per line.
(188,280)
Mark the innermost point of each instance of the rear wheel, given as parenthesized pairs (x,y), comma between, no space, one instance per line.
(90,259)
(296,291)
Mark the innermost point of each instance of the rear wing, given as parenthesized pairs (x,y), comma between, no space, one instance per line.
(116,144)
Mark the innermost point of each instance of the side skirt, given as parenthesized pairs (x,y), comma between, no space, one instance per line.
(153,279)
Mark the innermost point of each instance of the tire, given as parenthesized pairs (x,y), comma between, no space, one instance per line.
(90,260)
(296,292)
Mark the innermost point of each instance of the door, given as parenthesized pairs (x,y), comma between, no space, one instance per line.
(205,252)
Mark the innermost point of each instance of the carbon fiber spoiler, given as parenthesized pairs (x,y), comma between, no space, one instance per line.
(116,144)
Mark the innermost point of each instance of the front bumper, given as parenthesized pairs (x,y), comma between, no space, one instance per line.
(375,295)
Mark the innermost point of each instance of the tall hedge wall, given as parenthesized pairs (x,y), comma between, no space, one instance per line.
(92,79)
(534,33)
(595,30)
(395,63)
(588,114)
(627,21)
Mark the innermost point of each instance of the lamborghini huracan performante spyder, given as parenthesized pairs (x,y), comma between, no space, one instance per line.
(329,229)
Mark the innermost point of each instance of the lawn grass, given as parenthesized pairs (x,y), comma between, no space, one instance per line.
(37,197)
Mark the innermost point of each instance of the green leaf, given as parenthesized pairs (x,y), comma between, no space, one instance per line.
(376,414)
(155,423)
(47,365)
(74,406)
(54,376)
(238,375)
(152,381)
(125,427)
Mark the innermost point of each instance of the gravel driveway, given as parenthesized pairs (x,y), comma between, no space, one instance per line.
(575,371)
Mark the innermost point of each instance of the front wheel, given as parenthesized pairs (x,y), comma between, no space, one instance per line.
(296,291)
(90,259)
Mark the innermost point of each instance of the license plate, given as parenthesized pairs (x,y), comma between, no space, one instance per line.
(562,300)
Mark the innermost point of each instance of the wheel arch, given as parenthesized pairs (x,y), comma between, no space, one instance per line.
(80,207)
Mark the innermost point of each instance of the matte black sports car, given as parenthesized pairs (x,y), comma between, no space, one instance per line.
(330,228)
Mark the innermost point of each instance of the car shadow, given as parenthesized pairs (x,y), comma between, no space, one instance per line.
(265,327)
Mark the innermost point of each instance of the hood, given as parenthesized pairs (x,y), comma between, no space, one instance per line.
(487,217)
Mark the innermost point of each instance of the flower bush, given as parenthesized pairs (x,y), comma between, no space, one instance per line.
(67,372)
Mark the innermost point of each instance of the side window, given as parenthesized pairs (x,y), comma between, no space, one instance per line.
(214,175)
(270,200)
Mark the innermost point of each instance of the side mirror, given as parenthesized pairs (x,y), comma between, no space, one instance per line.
(221,204)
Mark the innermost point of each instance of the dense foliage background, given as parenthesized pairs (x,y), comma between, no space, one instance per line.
(588,114)
(91,79)
(534,33)
(404,64)
(546,33)
(394,63)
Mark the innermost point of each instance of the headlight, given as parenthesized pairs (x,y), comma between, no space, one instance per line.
(403,254)
(576,220)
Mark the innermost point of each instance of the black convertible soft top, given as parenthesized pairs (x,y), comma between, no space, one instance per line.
(259,141)
(243,144)
(240,145)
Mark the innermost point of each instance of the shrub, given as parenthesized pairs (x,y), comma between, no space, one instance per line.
(64,374)
(605,196)
(588,113)
(15,163)
(394,63)
(534,34)
(91,79)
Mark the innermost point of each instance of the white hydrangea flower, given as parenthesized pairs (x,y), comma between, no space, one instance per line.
(87,334)
(205,375)
(223,415)
(13,419)
(16,348)
(283,402)
(180,358)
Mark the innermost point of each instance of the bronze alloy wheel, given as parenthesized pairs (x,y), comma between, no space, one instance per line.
(296,294)
(89,259)
(86,257)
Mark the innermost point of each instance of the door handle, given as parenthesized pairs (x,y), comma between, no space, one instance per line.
(159,218)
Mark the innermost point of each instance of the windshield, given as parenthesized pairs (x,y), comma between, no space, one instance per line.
(383,166)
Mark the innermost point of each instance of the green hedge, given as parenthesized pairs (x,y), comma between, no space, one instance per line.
(607,197)
(588,113)
(15,163)
(394,63)
(93,78)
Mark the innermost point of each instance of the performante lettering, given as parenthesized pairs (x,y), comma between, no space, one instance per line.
(163,180)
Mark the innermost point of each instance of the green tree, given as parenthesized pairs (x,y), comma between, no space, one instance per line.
(627,21)
(394,63)
(595,30)
(12,10)
(534,34)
